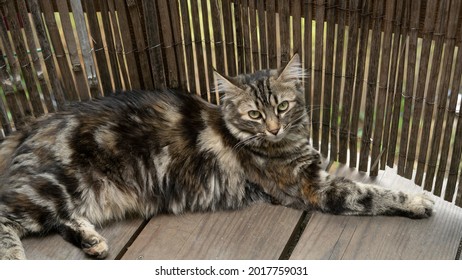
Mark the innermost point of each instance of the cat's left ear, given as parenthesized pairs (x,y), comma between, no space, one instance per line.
(293,71)
(225,84)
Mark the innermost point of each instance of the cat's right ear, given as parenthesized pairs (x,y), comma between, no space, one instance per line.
(225,85)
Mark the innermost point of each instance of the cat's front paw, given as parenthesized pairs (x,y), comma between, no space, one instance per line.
(95,247)
(420,206)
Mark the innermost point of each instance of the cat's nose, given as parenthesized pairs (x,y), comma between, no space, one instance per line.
(274,131)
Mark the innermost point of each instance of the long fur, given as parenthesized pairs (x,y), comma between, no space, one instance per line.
(143,153)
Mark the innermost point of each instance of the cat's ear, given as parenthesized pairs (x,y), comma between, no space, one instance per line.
(293,71)
(225,84)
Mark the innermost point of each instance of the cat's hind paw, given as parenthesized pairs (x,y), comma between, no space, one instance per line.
(420,206)
(95,247)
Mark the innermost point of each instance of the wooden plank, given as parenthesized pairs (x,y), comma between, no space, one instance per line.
(54,247)
(85,48)
(119,49)
(197,42)
(109,41)
(254,35)
(186,22)
(421,83)
(218,36)
(338,78)
(296,12)
(391,93)
(381,237)
(239,36)
(56,86)
(154,44)
(383,78)
(70,91)
(229,38)
(328,78)
(352,53)
(437,132)
(128,51)
(246,35)
(284,31)
(271,34)
(77,69)
(308,55)
(257,232)
(318,72)
(30,39)
(10,13)
(262,29)
(366,10)
(98,46)
(135,19)
(212,96)
(178,43)
(395,119)
(430,100)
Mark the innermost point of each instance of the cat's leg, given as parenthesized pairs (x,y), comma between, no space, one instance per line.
(10,240)
(338,195)
(82,233)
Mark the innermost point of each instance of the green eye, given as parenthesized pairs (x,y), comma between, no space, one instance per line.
(254,114)
(283,106)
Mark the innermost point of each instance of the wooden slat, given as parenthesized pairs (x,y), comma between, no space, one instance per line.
(135,19)
(409,87)
(262,28)
(119,48)
(128,50)
(229,37)
(366,11)
(178,42)
(371,86)
(308,56)
(77,68)
(189,58)
(352,44)
(421,82)
(448,58)
(271,33)
(39,74)
(393,140)
(441,23)
(239,36)
(56,86)
(85,48)
(318,75)
(70,91)
(254,36)
(98,47)
(246,36)
(328,77)
(338,78)
(391,92)
(10,13)
(212,96)
(380,237)
(257,232)
(457,145)
(54,247)
(202,81)
(377,149)
(217,26)
(284,31)
(296,12)
(8,90)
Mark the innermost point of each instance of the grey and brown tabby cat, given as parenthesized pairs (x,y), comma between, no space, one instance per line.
(144,153)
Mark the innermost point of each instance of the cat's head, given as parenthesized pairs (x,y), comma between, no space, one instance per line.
(266,105)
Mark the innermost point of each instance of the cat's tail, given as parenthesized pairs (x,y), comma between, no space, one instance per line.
(10,241)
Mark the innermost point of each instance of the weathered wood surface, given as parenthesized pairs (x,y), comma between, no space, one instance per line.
(268,232)
(342,237)
(54,247)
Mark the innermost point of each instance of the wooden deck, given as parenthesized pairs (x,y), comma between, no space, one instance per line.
(273,232)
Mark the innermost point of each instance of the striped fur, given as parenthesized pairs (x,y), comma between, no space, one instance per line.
(144,153)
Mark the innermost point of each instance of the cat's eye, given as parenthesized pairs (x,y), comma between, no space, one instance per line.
(283,106)
(254,114)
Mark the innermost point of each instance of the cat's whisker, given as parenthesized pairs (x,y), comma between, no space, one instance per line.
(247,140)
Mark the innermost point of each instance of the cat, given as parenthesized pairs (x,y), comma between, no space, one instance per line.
(144,153)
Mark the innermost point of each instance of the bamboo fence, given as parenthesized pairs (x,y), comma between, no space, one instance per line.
(383,84)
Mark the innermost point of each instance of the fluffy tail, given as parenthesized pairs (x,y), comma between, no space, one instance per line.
(10,242)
